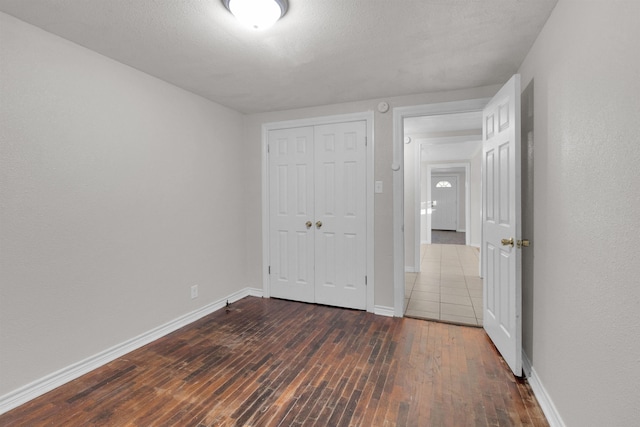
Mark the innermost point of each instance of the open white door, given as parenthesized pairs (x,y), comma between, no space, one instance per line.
(501,214)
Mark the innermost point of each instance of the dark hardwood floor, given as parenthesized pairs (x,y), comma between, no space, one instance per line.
(269,362)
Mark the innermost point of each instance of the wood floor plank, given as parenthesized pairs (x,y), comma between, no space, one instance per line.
(269,362)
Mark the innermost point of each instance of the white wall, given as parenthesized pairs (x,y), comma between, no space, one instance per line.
(583,336)
(475,203)
(411,177)
(117,193)
(424,226)
(383,210)
(462,205)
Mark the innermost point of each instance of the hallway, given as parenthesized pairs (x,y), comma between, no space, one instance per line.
(448,288)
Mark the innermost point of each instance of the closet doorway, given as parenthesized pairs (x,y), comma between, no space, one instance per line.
(318,213)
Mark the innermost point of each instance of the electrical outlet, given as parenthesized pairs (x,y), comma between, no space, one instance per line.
(194,291)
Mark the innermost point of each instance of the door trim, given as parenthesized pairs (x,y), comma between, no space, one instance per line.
(367,117)
(399,114)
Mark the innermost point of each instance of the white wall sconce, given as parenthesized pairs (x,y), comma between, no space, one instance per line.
(257,14)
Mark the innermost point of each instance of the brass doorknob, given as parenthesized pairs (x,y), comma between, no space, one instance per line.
(507,242)
(308,224)
(319,224)
(524,243)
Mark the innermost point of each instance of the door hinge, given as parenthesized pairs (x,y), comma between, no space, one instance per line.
(267,148)
(365,280)
(365,141)
(269,269)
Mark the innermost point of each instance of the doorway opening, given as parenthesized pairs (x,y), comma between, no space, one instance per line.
(442,145)
(445,191)
(444,283)
(501,237)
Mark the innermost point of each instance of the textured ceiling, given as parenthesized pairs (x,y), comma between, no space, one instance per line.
(321,52)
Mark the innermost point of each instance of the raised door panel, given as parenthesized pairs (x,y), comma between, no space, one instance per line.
(501,222)
(291,181)
(340,205)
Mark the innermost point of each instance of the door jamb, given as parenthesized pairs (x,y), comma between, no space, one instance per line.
(366,116)
(399,114)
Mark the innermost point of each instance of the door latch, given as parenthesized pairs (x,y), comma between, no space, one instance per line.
(507,242)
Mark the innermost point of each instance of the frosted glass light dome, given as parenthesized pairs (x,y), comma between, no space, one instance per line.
(257,14)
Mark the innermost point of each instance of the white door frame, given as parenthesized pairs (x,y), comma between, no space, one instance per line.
(399,114)
(467,196)
(366,116)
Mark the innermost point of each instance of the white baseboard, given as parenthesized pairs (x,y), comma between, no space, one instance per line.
(254,292)
(546,404)
(462,230)
(47,383)
(409,269)
(382,310)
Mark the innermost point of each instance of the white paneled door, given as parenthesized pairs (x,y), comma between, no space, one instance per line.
(340,207)
(501,223)
(317,196)
(444,203)
(291,212)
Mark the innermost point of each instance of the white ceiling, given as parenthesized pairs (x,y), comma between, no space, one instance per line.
(454,152)
(446,137)
(435,171)
(444,125)
(321,52)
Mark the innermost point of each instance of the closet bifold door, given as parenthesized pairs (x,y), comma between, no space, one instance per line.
(317,214)
(340,206)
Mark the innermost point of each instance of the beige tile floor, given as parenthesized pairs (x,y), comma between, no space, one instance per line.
(448,287)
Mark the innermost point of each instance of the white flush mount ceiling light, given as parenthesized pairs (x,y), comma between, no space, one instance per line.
(257,14)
